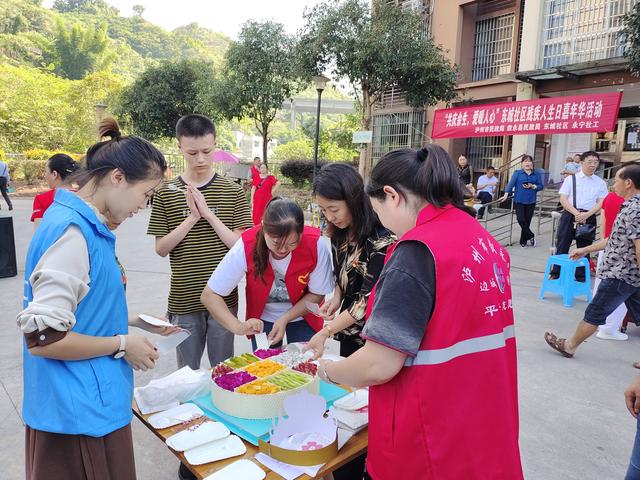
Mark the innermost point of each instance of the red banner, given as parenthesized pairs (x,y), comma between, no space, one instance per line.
(576,114)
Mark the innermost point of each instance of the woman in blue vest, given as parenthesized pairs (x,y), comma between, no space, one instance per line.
(78,354)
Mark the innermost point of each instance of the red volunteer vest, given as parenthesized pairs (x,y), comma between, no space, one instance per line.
(303,261)
(451,413)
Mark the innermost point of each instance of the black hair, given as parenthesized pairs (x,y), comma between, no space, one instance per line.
(281,218)
(428,173)
(194,125)
(589,153)
(339,181)
(63,164)
(526,157)
(135,157)
(631,171)
(491,167)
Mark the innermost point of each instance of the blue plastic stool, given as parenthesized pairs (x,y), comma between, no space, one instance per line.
(566,285)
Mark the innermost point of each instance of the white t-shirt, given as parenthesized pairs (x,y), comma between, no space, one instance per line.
(489,182)
(234,266)
(590,190)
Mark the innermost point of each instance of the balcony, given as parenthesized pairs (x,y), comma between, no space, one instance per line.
(579,31)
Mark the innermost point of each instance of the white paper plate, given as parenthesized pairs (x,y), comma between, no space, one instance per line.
(168,343)
(205,433)
(354,401)
(228,447)
(156,322)
(174,415)
(242,469)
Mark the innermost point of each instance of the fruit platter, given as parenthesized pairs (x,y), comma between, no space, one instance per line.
(254,385)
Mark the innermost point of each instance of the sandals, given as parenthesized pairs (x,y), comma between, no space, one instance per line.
(558,344)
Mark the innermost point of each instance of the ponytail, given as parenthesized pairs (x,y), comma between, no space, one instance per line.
(134,156)
(281,218)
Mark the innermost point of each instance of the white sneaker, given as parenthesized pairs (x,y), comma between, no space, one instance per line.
(604,335)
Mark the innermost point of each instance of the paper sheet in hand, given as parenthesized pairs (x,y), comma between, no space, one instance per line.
(156,322)
(166,344)
(262,342)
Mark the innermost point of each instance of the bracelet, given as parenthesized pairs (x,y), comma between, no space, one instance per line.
(326,375)
(328,328)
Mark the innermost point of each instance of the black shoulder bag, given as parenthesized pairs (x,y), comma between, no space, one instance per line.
(585,232)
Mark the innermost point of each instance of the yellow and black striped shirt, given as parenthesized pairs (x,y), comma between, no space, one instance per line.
(195,258)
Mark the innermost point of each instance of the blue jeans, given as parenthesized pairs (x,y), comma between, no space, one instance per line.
(299,331)
(633,472)
(610,295)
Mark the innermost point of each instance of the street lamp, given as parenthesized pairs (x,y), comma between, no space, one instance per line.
(320,81)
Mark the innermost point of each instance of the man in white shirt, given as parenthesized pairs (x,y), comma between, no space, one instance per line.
(580,207)
(486,188)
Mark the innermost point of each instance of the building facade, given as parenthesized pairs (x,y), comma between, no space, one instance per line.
(511,50)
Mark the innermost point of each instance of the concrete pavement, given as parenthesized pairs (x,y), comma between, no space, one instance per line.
(574,424)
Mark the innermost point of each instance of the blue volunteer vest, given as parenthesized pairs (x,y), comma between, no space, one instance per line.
(89,397)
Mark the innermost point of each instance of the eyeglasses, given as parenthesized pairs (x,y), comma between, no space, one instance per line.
(592,162)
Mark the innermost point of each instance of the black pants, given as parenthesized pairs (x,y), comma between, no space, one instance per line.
(3,190)
(484,197)
(566,235)
(524,214)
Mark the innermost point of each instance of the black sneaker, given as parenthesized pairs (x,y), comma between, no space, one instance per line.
(523,245)
(185,474)
(533,242)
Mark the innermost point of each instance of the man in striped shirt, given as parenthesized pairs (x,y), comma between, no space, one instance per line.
(196,218)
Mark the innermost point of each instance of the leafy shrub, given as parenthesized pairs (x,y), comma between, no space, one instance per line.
(299,171)
(33,170)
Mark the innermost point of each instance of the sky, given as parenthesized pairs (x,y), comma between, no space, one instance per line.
(219,15)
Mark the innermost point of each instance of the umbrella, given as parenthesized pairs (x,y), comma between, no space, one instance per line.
(222,156)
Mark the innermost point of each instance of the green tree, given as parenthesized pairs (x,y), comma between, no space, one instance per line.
(161,95)
(81,50)
(375,48)
(631,33)
(138,10)
(66,6)
(259,75)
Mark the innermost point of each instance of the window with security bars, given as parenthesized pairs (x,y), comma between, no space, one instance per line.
(578,31)
(397,130)
(484,151)
(492,48)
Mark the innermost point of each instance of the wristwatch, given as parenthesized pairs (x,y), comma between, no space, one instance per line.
(123,347)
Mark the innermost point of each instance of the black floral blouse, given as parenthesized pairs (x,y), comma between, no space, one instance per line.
(357,268)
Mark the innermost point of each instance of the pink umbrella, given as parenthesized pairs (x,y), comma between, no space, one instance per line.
(222,156)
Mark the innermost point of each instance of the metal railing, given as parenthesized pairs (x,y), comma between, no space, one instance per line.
(501,224)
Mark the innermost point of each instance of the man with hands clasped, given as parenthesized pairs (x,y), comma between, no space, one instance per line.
(196,219)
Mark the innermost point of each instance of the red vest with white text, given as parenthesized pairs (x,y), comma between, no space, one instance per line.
(303,261)
(451,413)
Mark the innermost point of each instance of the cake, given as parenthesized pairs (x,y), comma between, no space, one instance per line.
(254,385)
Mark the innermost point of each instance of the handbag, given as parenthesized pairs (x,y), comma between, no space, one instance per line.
(585,232)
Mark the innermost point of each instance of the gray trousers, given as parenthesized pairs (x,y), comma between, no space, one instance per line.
(204,329)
